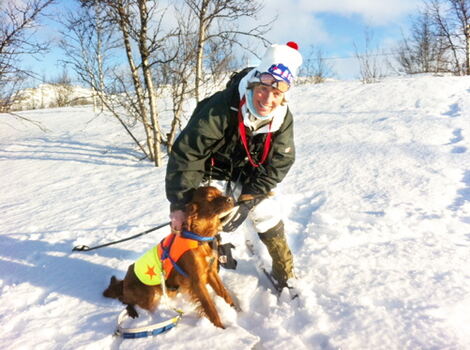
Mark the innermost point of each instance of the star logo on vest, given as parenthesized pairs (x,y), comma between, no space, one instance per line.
(151,271)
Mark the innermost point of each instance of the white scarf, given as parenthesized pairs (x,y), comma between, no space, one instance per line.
(277,116)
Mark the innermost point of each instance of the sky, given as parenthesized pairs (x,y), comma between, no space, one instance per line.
(335,27)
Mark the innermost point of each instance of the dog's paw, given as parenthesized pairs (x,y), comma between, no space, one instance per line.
(131,311)
(236,307)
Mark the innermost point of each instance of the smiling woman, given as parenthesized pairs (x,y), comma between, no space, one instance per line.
(254,154)
(266,99)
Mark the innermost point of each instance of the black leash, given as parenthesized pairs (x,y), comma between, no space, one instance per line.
(85,248)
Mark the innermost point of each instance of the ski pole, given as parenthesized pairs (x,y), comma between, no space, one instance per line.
(85,248)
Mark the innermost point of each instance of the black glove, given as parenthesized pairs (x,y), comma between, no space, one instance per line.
(236,217)
(239,213)
(226,259)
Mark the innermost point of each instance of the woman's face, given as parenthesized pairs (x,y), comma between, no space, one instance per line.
(266,99)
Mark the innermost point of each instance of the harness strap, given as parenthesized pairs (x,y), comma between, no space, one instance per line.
(267,142)
(178,268)
(166,249)
(196,237)
(210,170)
(166,255)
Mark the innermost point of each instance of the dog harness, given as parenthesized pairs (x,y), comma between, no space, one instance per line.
(171,249)
(148,268)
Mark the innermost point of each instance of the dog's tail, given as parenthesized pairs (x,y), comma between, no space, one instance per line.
(114,289)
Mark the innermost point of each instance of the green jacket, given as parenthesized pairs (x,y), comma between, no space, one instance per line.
(210,146)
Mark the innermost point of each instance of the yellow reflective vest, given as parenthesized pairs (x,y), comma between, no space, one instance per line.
(148,268)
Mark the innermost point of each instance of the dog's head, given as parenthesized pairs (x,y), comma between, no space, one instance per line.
(206,209)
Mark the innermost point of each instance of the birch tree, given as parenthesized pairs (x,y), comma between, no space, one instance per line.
(18,24)
(89,44)
(315,68)
(452,20)
(143,44)
(217,21)
(370,69)
(423,51)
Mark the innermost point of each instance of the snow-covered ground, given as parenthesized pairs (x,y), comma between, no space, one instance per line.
(377,211)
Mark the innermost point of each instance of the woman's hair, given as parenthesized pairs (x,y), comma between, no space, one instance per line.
(254,84)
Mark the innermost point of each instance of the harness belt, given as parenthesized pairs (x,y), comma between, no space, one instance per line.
(152,268)
(163,257)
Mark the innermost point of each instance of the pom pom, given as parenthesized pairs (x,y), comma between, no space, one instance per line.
(293,45)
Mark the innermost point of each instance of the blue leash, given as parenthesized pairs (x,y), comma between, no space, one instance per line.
(196,237)
(142,332)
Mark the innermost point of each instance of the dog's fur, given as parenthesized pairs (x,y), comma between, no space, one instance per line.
(200,264)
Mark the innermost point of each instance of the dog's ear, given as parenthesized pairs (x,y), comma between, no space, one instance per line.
(191,213)
(191,209)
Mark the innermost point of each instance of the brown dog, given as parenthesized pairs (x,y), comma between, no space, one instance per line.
(200,264)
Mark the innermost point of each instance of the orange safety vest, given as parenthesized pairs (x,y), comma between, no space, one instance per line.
(177,246)
(148,268)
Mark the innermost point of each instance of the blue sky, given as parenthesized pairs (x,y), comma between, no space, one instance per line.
(333,26)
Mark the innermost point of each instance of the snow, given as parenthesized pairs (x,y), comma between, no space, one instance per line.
(377,213)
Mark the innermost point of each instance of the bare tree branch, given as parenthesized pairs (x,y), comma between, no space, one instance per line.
(34,122)
(18,24)
(211,16)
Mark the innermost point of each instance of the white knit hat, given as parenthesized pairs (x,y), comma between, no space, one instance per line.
(282,61)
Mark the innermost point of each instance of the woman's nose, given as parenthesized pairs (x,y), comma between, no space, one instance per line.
(267,97)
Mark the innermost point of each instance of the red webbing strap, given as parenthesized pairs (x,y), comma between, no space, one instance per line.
(267,142)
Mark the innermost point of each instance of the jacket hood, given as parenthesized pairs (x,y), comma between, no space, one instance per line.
(277,116)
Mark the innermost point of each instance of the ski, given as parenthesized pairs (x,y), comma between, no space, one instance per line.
(262,270)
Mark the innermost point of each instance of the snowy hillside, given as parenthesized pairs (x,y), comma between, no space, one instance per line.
(52,95)
(377,212)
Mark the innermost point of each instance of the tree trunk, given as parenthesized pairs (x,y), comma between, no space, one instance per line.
(200,48)
(151,95)
(467,48)
(123,20)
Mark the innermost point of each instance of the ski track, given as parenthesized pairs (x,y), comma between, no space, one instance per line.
(376,207)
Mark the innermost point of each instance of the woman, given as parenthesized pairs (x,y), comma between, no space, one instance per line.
(243,135)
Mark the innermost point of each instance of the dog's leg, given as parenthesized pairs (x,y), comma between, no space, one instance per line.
(136,293)
(201,293)
(219,288)
(131,311)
